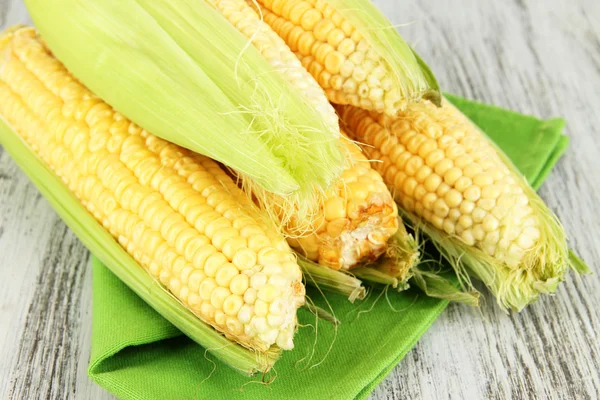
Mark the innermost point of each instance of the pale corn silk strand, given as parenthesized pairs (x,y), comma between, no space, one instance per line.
(464,193)
(249,117)
(172,210)
(353,51)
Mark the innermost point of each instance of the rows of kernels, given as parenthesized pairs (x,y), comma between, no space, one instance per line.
(358,217)
(444,169)
(335,53)
(153,211)
(278,54)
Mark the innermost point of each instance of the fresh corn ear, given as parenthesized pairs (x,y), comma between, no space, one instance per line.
(353,52)
(177,213)
(456,186)
(182,71)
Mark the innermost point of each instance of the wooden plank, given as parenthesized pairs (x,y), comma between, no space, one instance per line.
(536,56)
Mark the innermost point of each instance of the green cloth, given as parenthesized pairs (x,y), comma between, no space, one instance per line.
(136,354)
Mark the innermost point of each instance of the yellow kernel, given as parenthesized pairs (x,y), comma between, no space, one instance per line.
(239,284)
(448,227)
(346,47)
(234,325)
(333,62)
(442,189)
(309,19)
(490,223)
(244,259)
(432,183)
(463,161)
(467,237)
(409,186)
(440,208)
(231,246)
(473,193)
(435,157)
(420,192)
(413,165)
(250,295)
(225,274)
(478,215)
(465,221)
(453,198)
(452,175)
(429,201)
(443,166)
(258,242)
(525,241)
(245,313)
(206,288)
(232,304)
(483,180)
(214,263)
(258,280)
(478,232)
(486,204)
(463,183)
(490,192)
(195,279)
(218,296)
(408,203)
(220,318)
(437,221)
(275,320)
(322,29)
(472,170)
(202,254)
(492,237)
(261,308)
(260,324)
(335,208)
(207,310)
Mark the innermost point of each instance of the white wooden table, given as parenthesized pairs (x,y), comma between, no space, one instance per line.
(535,56)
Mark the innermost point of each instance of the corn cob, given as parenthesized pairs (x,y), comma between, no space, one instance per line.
(356,219)
(177,213)
(453,183)
(353,52)
(232,106)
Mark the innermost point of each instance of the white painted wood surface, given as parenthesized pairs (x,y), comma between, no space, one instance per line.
(535,56)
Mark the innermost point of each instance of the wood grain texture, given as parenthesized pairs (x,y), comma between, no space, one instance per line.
(540,57)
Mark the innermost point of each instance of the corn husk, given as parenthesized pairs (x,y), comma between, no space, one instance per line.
(182,71)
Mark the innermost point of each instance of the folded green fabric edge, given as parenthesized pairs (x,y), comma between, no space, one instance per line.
(545,154)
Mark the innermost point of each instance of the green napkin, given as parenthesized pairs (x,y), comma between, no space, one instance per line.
(136,354)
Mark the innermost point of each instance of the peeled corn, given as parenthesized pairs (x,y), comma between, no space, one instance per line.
(357,218)
(177,213)
(354,53)
(474,204)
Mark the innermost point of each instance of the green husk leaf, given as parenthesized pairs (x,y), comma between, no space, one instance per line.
(412,76)
(577,264)
(183,72)
(436,285)
(102,244)
(328,279)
